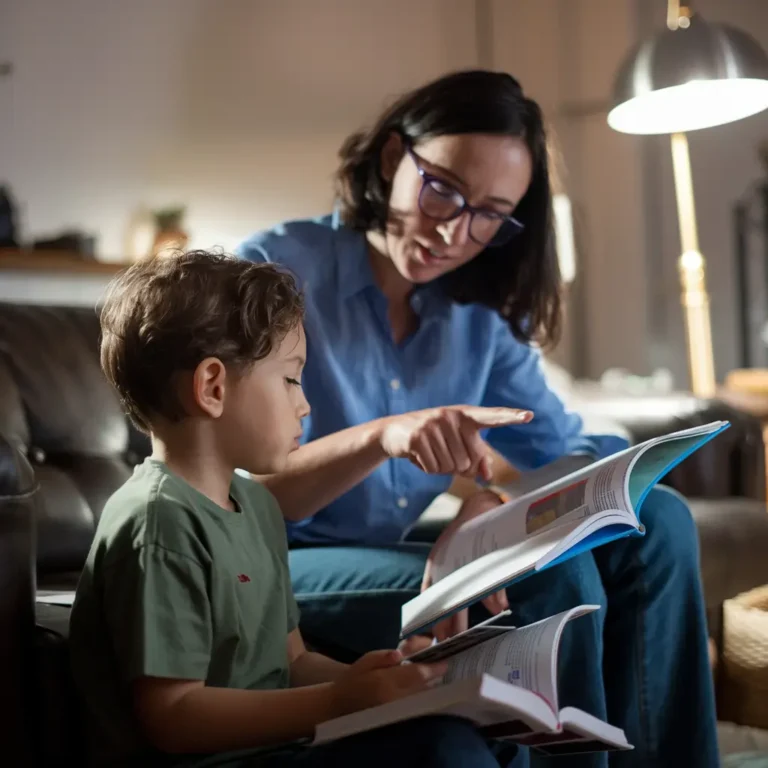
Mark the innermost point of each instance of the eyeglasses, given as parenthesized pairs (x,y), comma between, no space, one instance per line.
(442,202)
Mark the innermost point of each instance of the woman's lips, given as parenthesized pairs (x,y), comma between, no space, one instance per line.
(428,256)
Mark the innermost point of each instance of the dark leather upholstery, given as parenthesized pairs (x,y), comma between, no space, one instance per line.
(70,437)
(61,426)
(17,489)
(58,408)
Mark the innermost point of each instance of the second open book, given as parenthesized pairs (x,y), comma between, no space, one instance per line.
(549,525)
(502,679)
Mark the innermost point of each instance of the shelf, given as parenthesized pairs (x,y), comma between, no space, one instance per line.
(12,259)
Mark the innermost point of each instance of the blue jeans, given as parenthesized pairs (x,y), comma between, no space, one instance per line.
(430,742)
(641,661)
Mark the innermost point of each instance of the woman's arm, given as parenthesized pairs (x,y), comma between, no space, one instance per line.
(437,440)
(324,469)
(517,379)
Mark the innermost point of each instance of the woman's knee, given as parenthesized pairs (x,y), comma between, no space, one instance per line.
(666,512)
(669,524)
(558,588)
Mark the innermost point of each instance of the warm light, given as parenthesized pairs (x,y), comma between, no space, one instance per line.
(689,107)
(564,239)
(692,261)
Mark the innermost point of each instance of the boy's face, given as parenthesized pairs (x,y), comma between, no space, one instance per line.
(264,408)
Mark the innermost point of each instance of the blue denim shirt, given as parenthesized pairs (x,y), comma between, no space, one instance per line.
(355,372)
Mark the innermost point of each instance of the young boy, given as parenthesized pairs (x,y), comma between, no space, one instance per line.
(184,638)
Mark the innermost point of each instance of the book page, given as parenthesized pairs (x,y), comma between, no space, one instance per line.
(507,543)
(525,657)
(487,702)
(611,484)
(477,579)
(535,479)
(588,492)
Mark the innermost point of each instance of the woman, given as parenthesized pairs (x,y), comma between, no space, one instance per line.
(426,290)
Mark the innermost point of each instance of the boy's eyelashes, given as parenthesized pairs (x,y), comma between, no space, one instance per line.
(294,382)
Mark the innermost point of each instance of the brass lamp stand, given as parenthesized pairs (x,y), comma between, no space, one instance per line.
(695,300)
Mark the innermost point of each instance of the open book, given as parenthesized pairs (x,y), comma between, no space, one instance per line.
(505,681)
(592,506)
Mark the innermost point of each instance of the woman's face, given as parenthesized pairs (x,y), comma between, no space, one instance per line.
(490,172)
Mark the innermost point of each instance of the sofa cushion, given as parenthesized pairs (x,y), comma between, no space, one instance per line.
(733,540)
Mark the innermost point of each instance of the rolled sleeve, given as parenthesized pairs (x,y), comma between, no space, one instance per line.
(253,249)
(517,380)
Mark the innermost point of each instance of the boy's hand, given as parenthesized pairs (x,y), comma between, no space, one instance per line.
(379,677)
(447,440)
(414,644)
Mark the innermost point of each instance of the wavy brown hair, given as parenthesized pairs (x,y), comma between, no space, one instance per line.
(520,280)
(166,315)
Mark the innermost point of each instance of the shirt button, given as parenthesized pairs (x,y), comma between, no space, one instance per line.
(395,384)
(402,502)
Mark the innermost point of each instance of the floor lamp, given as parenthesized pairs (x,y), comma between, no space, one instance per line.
(692,75)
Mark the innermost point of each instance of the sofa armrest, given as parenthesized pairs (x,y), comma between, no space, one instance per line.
(733,540)
(17,601)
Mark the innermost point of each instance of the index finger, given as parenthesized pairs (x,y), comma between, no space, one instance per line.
(495,417)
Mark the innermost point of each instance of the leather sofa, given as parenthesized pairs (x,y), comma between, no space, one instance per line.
(65,446)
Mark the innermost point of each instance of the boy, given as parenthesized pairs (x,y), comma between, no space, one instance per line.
(184,638)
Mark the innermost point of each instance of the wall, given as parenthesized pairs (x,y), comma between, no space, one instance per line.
(237,108)
(566,53)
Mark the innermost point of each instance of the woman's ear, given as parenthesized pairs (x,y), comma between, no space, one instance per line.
(209,387)
(391,155)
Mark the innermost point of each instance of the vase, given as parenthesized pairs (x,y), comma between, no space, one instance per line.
(168,241)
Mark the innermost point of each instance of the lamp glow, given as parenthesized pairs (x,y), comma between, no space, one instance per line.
(691,106)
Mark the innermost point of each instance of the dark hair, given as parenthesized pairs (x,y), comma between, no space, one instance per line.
(521,279)
(167,314)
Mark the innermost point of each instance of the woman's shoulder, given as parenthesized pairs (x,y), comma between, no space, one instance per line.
(293,242)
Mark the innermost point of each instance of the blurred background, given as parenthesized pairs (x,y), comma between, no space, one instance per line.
(128,126)
(233,110)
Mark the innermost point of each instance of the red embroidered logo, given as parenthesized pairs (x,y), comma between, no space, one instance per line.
(242,578)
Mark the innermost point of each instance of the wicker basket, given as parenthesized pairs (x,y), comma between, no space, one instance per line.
(744,692)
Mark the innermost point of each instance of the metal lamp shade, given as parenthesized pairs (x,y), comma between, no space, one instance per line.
(696,77)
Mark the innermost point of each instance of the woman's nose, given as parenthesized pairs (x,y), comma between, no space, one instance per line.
(455,231)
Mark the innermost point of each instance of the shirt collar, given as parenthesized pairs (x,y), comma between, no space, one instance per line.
(353,265)
(355,273)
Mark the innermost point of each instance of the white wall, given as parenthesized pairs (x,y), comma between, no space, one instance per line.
(237,108)
(234,107)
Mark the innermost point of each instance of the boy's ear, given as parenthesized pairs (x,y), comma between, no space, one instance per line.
(208,386)
(391,155)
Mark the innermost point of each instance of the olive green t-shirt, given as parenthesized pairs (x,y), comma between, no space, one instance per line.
(177,587)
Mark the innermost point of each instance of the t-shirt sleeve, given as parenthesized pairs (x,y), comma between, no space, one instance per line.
(158,613)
